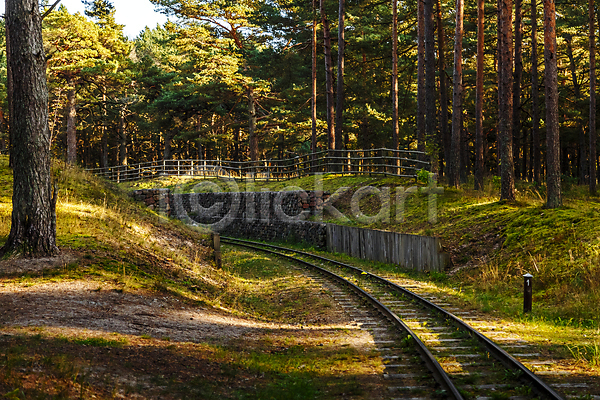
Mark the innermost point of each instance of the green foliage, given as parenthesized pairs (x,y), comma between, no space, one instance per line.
(423,176)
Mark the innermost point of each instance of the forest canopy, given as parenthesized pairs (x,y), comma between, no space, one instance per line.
(234,79)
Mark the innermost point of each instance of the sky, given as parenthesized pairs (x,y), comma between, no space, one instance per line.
(134,14)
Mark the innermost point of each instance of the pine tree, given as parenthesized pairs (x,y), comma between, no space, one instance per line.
(479,162)
(505,65)
(553,196)
(33,228)
(454,170)
(592,122)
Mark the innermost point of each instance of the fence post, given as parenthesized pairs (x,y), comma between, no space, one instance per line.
(216,245)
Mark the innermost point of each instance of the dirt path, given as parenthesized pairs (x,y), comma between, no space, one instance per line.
(147,344)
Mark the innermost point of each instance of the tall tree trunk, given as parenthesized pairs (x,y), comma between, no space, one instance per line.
(445,134)
(339,110)
(281,141)
(535,98)
(9,93)
(104,133)
(421,107)
(581,149)
(592,42)
(167,152)
(71,121)
(236,143)
(465,159)
(3,126)
(328,77)
(518,77)
(253,140)
(429,32)
(122,138)
(33,223)
(455,159)
(553,196)
(365,139)
(313,101)
(395,123)
(505,64)
(479,97)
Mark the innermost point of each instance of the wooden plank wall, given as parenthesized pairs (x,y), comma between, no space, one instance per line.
(421,253)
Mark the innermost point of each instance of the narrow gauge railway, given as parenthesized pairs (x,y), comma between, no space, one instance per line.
(463,362)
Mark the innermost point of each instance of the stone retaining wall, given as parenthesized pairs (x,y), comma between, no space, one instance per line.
(269,216)
(156,199)
(281,217)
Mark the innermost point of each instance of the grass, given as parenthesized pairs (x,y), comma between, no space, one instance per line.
(277,368)
(492,244)
(116,243)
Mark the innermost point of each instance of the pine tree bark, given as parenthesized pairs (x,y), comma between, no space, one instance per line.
(395,123)
(581,149)
(339,109)
(429,32)
(455,156)
(167,151)
(9,92)
(104,133)
(518,77)
(71,121)
(122,138)
(33,223)
(236,143)
(445,135)
(3,126)
(328,77)
(592,123)
(313,101)
(535,98)
(420,77)
(505,64)
(479,97)
(553,196)
(252,126)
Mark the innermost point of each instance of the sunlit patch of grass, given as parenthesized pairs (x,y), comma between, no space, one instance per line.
(112,232)
(262,286)
(588,354)
(98,342)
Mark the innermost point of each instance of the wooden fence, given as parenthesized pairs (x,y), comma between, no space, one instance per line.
(421,253)
(403,163)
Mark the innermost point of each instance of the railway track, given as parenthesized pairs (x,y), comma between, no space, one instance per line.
(455,361)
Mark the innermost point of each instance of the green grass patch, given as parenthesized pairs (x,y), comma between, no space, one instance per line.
(98,342)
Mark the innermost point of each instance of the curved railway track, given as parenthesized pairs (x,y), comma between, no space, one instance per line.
(460,361)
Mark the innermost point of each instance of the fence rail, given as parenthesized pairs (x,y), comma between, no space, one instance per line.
(403,163)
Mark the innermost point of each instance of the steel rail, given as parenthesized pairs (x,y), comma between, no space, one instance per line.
(505,358)
(433,365)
